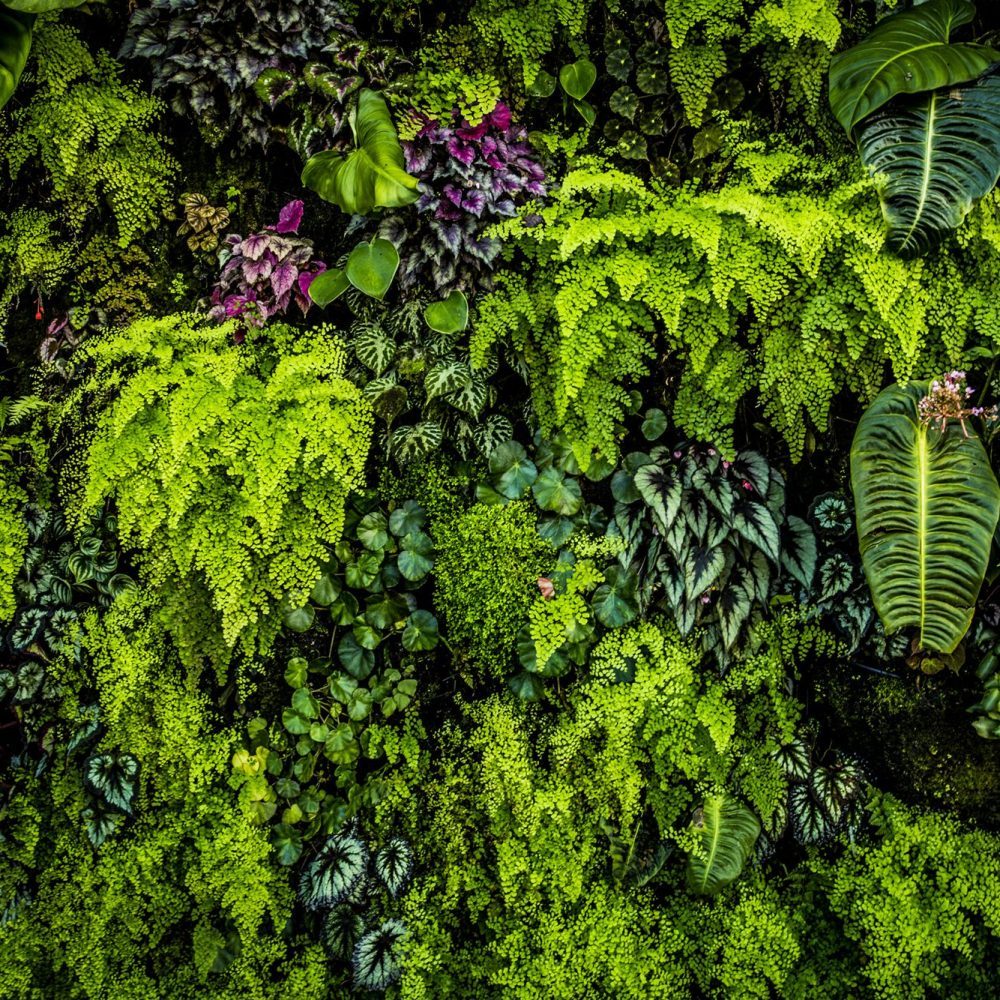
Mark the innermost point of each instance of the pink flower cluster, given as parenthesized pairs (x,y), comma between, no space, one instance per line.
(262,274)
(947,399)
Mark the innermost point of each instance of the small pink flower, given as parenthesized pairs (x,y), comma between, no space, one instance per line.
(677,454)
(705,598)
(547,588)
(747,485)
(711,452)
(726,464)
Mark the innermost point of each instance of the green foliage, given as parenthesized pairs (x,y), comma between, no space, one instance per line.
(907,53)
(230,467)
(727,832)
(32,255)
(927,507)
(373,175)
(775,283)
(514,840)
(94,135)
(921,904)
(489,559)
(13,541)
(526,32)
(15,44)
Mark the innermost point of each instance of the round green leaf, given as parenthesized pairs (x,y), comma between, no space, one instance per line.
(325,592)
(556,491)
(409,517)
(421,632)
(654,424)
(360,705)
(328,286)
(300,620)
(373,531)
(305,703)
(515,472)
(297,671)
(449,316)
(357,661)
(342,747)
(287,843)
(414,559)
(624,102)
(295,723)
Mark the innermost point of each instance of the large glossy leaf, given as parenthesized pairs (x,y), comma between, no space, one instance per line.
(373,175)
(727,831)
(41,6)
(937,155)
(907,53)
(927,505)
(15,44)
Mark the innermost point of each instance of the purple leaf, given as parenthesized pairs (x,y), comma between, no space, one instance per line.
(256,270)
(474,202)
(306,279)
(255,245)
(500,118)
(290,217)
(282,279)
(462,151)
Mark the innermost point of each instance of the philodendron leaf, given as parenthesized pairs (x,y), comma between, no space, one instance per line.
(907,53)
(727,831)
(936,155)
(15,44)
(450,315)
(927,505)
(373,175)
(577,78)
(372,266)
(329,285)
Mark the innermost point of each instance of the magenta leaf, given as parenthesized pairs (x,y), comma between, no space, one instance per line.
(290,217)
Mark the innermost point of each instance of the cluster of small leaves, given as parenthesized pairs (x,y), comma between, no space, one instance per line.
(230,465)
(707,538)
(577,599)
(470,176)
(94,135)
(364,612)
(775,283)
(311,104)
(64,334)
(264,273)
(838,592)
(823,798)
(344,880)
(62,575)
(207,57)
(203,221)
(421,384)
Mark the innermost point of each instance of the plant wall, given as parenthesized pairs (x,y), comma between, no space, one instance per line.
(498,499)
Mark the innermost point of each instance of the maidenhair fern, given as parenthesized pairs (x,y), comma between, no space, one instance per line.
(774,284)
(230,466)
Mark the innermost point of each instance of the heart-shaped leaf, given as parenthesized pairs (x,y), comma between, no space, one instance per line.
(373,175)
(372,266)
(329,285)
(577,78)
(907,53)
(927,505)
(450,315)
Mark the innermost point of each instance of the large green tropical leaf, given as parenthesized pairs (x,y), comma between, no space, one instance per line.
(936,154)
(373,175)
(41,6)
(927,505)
(15,44)
(907,53)
(727,832)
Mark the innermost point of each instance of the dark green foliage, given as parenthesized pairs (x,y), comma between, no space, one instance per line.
(208,57)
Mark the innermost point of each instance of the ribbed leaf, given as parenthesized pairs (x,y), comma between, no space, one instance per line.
(937,155)
(809,822)
(376,957)
(727,832)
(15,44)
(927,506)
(334,872)
(798,550)
(394,864)
(661,489)
(373,175)
(907,53)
